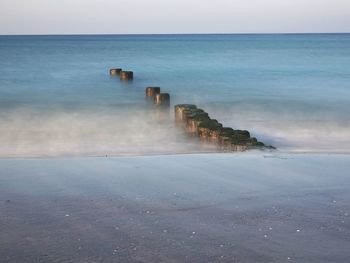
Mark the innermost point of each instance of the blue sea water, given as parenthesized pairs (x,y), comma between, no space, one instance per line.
(56,96)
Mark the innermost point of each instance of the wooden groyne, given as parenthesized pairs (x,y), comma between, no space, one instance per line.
(197,123)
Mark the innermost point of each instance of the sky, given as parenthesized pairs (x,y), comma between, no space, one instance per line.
(173,16)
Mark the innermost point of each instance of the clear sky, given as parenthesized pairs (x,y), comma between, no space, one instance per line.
(172,16)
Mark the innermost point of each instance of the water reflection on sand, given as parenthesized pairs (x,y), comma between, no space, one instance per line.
(184,208)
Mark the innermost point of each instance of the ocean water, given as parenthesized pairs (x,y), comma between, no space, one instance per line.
(57,98)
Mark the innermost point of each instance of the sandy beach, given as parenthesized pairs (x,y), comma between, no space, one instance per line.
(246,207)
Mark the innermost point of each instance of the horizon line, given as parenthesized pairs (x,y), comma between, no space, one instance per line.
(168,34)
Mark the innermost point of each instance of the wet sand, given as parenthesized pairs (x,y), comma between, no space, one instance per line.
(183,208)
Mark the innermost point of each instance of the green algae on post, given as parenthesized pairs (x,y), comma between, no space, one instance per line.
(196,122)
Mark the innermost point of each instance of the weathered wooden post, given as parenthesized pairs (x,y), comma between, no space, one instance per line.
(193,118)
(115,71)
(215,131)
(162,99)
(225,139)
(126,75)
(208,129)
(203,133)
(180,109)
(238,147)
(151,92)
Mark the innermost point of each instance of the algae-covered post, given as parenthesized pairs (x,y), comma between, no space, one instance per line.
(179,111)
(196,122)
(162,99)
(193,119)
(209,130)
(151,92)
(126,75)
(115,71)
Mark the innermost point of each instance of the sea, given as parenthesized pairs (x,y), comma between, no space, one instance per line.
(57,98)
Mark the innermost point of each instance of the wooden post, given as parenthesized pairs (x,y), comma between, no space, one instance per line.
(126,75)
(162,99)
(151,92)
(180,109)
(115,71)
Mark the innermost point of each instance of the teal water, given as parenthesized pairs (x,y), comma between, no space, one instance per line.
(56,97)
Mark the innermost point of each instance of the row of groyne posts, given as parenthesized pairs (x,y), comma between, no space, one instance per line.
(197,123)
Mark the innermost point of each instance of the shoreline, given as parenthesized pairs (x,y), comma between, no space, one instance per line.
(263,153)
(180,34)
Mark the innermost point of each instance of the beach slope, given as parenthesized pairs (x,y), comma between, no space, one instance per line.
(176,208)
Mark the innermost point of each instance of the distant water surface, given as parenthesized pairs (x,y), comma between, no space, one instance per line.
(56,97)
